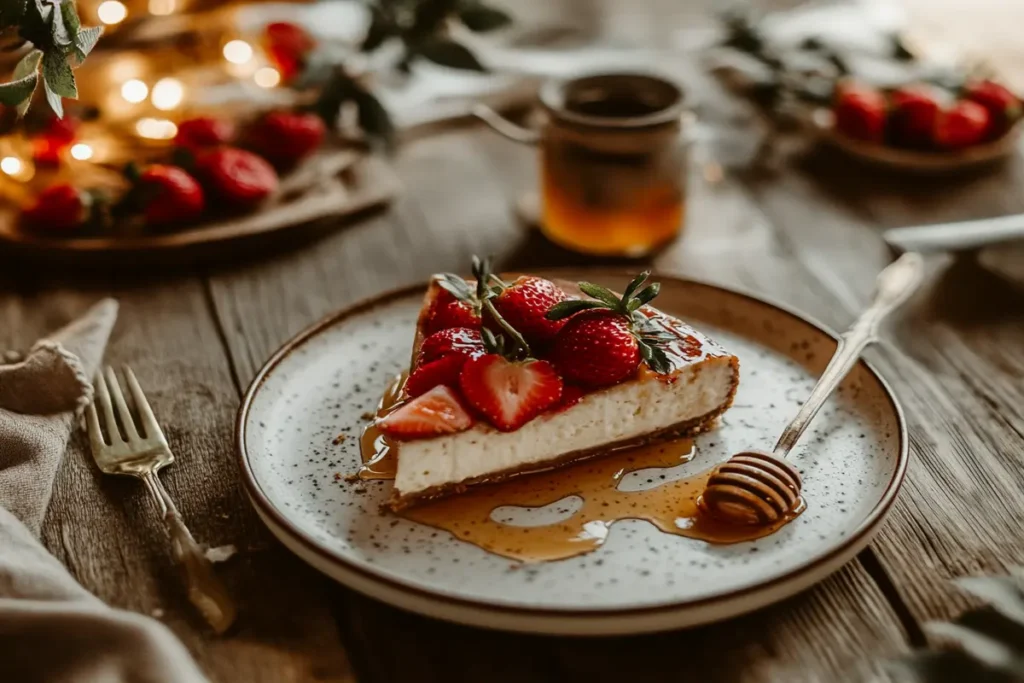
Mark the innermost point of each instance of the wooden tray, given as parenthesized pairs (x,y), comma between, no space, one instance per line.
(335,185)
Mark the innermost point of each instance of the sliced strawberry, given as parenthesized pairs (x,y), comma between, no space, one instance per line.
(524,305)
(443,371)
(509,393)
(463,341)
(436,412)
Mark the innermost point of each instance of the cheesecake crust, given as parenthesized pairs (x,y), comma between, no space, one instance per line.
(691,427)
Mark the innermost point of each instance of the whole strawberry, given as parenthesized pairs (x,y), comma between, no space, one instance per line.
(964,124)
(860,112)
(169,196)
(524,305)
(912,117)
(288,46)
(285,138)
(606,338)
(459,303)
(236,176)
(461,341)
(203,132)
(60,208)
(1004,107)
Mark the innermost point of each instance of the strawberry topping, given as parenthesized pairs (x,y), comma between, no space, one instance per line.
(444,370)
(509,393)
(436,412)
(524,305)
(463,341)
(596,349)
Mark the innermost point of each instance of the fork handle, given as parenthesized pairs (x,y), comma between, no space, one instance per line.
(205,589)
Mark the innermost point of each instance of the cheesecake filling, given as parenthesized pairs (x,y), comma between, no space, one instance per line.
(624,412)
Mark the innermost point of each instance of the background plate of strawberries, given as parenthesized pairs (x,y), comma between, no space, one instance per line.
(922,127)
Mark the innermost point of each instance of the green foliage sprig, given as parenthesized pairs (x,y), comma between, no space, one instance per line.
(59,44)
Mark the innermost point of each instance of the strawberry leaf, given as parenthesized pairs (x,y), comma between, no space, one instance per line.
(570,307)
(457,287)
(646,296)
(656,358)
(636,284)
(602,294)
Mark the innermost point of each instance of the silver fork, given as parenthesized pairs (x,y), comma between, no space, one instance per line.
(142,456)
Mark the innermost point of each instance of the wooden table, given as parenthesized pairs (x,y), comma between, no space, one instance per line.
(808,235)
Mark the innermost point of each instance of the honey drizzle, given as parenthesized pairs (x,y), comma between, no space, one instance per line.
(673,507)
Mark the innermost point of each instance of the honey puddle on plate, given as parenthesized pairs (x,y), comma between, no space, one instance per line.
(673,506)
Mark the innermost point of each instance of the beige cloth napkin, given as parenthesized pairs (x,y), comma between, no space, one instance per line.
(51,629)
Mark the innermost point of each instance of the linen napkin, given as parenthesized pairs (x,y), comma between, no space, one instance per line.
(52,629)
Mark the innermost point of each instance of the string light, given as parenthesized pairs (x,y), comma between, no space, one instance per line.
(267,77)
(167,93)
(81,151)
(156,129)
(162,8)
(10,165)
(237,51)
(134,90)
(111,12)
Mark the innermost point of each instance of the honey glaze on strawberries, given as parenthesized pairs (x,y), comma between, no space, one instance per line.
(673,507)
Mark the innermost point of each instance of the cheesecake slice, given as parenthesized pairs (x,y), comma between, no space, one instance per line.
(508,379)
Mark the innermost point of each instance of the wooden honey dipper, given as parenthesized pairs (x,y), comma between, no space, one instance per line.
(758,487)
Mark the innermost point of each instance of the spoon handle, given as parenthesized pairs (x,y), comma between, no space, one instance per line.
(894,286)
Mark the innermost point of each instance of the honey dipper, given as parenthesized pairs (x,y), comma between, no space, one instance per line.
(760,487)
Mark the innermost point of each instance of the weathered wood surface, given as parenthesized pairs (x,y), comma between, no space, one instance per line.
(808,235)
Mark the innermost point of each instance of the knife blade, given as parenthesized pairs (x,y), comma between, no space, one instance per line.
(959,236)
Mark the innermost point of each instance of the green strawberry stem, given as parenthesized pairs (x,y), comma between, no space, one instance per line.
(480,300)
(650,338)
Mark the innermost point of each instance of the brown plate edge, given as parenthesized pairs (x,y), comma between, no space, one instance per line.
(867,528)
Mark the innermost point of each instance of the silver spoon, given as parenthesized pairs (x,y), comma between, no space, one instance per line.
(760,487)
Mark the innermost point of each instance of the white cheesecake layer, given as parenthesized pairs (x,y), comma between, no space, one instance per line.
(623,412)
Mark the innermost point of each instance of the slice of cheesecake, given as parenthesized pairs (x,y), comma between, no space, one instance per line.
(508,379)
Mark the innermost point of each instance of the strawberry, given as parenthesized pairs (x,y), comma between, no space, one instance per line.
(571,395)
(912,119)
(458,304)
(236,176)
(524,305)
(463,341)
(288,46)
(60,207)
(436,412)
(453,313)
(169,195)
(962,125)
(285,138)
(55,138)
(1004,108)
(203,132)
(605,338)
(444,370)
(509,393)
(860,112)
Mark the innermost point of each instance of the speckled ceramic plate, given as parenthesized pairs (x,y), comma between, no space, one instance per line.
(322,382)
(913,161)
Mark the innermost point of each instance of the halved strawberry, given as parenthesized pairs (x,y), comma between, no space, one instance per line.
(509,393)
(463,341)
(443,371)
(524,305)
(436,412)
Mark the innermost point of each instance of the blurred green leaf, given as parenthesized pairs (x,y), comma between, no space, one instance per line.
(13,93)
(447,52)
(86,40)
(481,19)
(374,118)
(29,64)
(58,75)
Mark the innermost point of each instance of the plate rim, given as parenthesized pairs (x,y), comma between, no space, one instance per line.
(777,587)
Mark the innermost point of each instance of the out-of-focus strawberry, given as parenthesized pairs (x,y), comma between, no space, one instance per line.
(860,112)
(169,196)
(203,132)
(59,208)
(964,124)
(912,116)
(439,411)
(55,138)
(1004,107)
(284,138)
(238,177)
(288,46)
